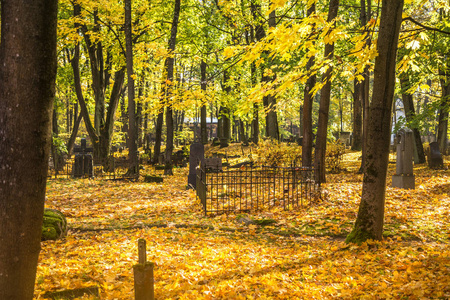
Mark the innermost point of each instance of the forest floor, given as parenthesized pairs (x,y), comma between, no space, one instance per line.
(301,256)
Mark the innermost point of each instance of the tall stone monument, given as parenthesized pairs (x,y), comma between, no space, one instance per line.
(196,155)
(404,177)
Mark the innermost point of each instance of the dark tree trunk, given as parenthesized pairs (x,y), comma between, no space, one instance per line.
(139,117)
(168,90)
(57,155)
(158,136)
(242,133)
(253,74)
(203,127)
(442,138)
(133,168)
(124,118)
(101,132)
(410,113)
(255,121)
(269,100)
(357,117)
(365,84)
(224,123)
(73,135)
(27,89)
(369,223)
(307,107)
(325,95)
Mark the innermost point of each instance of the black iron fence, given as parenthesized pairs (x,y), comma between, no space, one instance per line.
(255,189)
(117,168)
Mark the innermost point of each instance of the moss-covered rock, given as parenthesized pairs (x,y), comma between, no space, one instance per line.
(153,178)
(54,226)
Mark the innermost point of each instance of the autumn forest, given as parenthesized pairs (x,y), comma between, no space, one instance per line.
(224,149)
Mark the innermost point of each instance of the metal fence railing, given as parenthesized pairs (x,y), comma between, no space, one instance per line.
(255,188)
(118,168)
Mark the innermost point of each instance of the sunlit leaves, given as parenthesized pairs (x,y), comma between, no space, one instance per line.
(301,256)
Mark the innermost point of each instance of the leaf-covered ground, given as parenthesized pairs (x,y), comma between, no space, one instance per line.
(301,256)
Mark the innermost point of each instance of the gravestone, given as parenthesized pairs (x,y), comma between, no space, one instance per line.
(83,164)
(435,160)
(404,177)
(213,164)
(196,155)
(344,137)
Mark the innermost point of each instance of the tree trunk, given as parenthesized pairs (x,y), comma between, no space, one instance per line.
(242,133)
(224,126)
(73,135)
(270,101)
(442,138)
(369,223)
(27,89)
(325,95)
(410,113)
(203,127)
(307,143)
(255,121)
(365,84)
(158,136)
(133,167)
(168,90)
(101,132)
(357,117)
(57,155)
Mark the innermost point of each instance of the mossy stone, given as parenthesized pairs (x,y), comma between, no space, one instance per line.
(153,178)
(54,225)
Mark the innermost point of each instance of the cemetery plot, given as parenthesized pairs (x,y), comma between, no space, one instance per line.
(255,188)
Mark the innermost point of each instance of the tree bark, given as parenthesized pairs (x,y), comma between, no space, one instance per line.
(307,143)
(325,95)
(168,90)
(442,131)
(73,135)
(224,123)
(158,135)
(365,84)
(369,223)
(357,117)
(255,121)
(101,131)
(410,113)
(133,168)
(27,89)
(203,127)
(272,130)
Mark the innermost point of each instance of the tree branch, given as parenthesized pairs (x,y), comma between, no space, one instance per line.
(425,26)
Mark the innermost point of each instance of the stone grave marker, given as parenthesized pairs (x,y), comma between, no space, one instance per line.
(213,164)
(196,155)
(344,137)
(83,164)
(435,160)
(404,177)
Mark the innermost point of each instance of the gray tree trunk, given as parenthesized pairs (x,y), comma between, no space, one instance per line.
(27,89)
